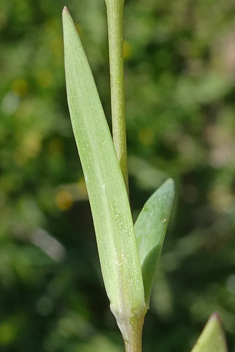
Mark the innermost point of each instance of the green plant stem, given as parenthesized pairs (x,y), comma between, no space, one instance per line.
(132,333)
(115,33)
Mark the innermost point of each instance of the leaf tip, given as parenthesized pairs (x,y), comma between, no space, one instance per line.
(170,181)
(65,10)
(215,316)
(169,185)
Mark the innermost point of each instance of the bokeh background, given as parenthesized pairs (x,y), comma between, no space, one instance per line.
(180,94)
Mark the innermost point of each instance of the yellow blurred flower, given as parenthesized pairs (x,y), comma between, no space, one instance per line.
(64,200)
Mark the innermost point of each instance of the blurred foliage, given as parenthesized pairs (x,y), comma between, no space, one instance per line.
(180,88)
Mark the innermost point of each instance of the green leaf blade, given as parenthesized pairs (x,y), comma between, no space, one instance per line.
(106,189)
(150,229)
(212,337)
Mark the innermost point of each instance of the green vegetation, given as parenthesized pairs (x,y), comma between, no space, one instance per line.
(180,123)
(128,264)
(212,338)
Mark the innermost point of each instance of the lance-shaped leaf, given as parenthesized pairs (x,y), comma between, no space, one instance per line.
(212,337)
(150,229)
(106,189)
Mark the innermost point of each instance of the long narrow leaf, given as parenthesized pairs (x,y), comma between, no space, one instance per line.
(212,337)
(150,229)
(106,189)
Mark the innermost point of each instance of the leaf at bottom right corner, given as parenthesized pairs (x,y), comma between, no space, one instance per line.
(212,338)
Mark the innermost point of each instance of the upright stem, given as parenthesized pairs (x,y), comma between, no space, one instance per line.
(131,330)
(115,33)
(133,337)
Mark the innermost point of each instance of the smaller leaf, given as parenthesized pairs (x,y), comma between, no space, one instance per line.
(212,337)
(150,229)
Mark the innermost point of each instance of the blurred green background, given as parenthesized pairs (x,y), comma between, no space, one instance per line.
(180,93)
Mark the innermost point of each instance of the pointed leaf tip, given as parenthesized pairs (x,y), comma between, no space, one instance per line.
(65,10)
(212,338)
(215,316)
